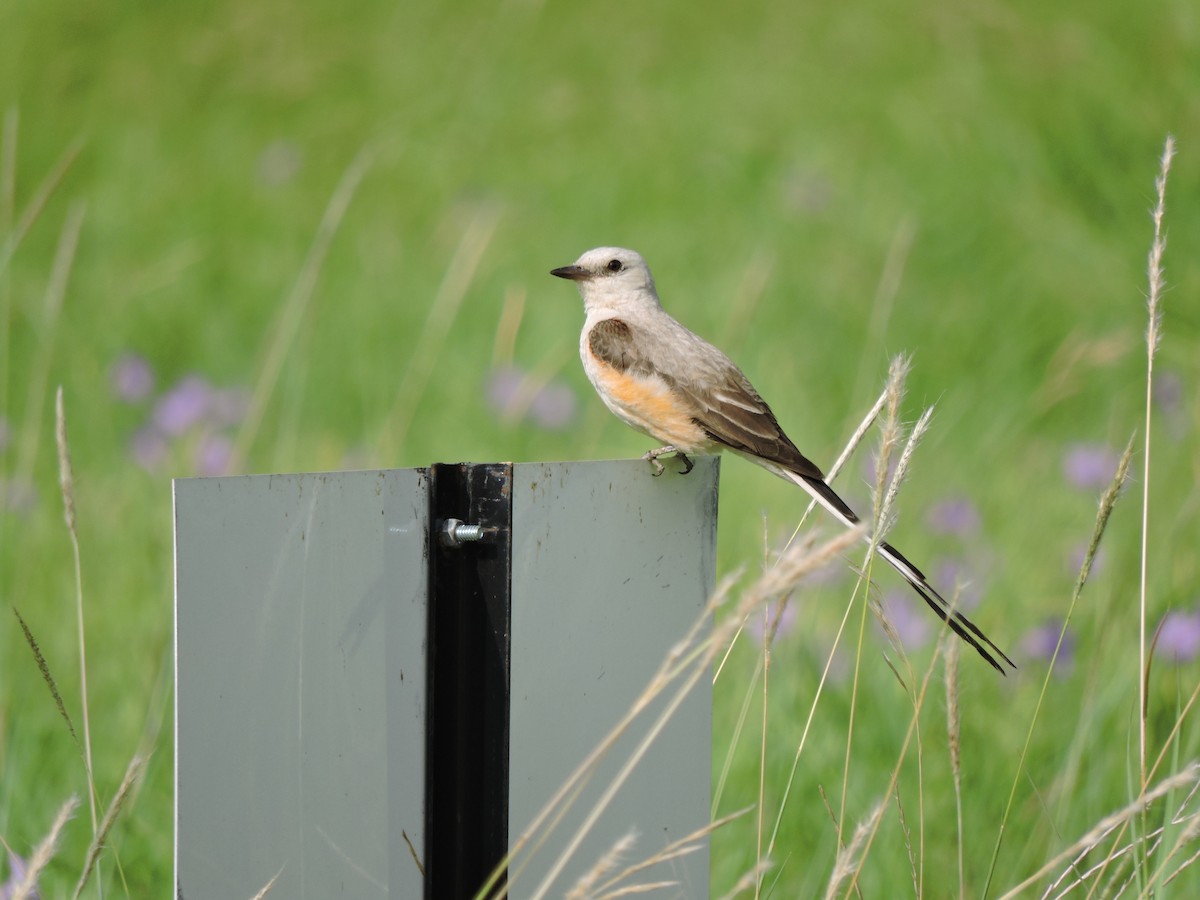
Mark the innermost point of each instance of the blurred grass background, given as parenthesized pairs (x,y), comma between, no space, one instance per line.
(815,188)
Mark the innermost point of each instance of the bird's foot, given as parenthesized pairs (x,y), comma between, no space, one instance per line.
(653,455)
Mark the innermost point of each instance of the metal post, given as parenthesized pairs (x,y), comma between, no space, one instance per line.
(469,612)
(382,677)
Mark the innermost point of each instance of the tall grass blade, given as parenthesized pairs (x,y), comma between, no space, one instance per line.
(66,480)
(133,772)
(1154,273)
(850,859)
(267,888)
(47,677)
(689,843)
(587,884)
(954,741)
(26,888)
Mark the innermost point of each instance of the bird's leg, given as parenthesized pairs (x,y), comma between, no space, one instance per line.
(653,455)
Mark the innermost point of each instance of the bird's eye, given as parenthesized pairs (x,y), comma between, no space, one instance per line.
(614,265)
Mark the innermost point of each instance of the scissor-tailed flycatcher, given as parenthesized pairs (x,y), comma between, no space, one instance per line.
(676,387)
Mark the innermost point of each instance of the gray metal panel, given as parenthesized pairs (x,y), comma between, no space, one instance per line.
(300,684)
(611,567)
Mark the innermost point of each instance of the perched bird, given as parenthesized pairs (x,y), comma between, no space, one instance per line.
(679,389)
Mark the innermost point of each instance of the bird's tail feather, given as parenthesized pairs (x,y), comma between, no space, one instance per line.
(957,622)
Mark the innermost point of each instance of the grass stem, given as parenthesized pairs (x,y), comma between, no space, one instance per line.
(67,484)
(1154,272)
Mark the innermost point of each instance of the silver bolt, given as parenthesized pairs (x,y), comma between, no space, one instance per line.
(455,532)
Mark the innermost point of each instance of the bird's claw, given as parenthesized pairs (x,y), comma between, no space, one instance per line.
(653,455)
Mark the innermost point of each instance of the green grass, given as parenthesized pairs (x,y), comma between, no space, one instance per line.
(1004,154)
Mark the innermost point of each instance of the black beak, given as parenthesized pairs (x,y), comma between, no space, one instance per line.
(572,273)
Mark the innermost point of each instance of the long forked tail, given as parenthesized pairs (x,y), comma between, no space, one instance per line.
(956,621)
(959,624)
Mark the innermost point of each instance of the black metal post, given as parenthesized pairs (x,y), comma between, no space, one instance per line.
(468,681)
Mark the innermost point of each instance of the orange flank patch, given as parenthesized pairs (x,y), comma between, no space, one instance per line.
(650,406)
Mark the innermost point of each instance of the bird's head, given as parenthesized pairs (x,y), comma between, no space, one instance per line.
(611,277)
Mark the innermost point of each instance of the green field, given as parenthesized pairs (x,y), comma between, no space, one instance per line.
(261,237)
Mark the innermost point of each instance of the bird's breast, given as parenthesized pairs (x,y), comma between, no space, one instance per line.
(645,402)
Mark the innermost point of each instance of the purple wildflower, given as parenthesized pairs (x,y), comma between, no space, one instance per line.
(1039,643)
(912,624)
(1167,391)
(1169,398)
(17,869)
(504,388)
(1179,635)
(131,378)
(1090,466)
(195,409)
(554,406)
(954,515)
(185,405)
(951,574)
(508,394)
(214,455)
(149,448)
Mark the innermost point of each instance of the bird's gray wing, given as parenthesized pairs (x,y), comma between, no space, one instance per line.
(732,413)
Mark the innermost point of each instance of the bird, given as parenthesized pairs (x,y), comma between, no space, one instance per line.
(672,385)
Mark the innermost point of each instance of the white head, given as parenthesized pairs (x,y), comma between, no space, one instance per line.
(611,278)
